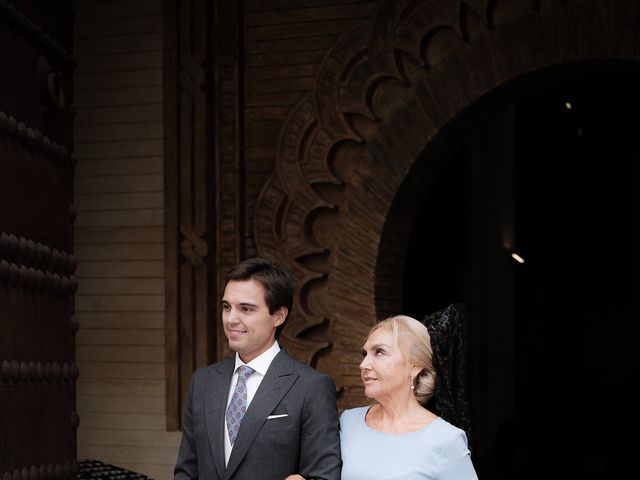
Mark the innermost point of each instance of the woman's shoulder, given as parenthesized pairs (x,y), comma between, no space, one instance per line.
(448,427)
(355,412)
(448,434)
(353,415)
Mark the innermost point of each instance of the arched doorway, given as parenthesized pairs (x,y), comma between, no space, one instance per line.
(547,169)
(410,87)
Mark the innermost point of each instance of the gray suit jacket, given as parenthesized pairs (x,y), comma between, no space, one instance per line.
(305,441)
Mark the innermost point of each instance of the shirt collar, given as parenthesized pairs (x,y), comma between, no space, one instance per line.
(261,363)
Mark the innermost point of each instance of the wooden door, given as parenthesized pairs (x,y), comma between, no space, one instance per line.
(37,365)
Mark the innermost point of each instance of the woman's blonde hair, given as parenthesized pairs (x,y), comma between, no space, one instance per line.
(413,338)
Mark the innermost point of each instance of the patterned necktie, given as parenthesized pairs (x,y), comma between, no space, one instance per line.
(238,404)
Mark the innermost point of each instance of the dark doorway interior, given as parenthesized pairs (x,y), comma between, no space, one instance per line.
(576,297)
(574,302)
(438,249)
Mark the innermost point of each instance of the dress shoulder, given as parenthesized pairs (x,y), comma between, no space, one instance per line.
(449,432)
(352,417)
(356,412)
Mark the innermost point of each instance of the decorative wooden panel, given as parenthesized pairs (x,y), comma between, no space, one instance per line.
(203,181)
(37,324)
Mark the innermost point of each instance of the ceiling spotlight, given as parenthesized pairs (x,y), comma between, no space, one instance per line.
(568,105)
(517,258)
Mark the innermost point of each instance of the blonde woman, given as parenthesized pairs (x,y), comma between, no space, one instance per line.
(397,437)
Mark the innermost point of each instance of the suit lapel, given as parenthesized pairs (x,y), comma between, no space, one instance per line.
(217,390)
(276,383)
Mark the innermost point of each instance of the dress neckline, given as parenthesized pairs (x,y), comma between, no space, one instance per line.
(412,432)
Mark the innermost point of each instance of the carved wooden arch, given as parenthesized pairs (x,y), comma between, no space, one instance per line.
(383,96)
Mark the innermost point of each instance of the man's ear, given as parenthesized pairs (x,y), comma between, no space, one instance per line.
(281,315)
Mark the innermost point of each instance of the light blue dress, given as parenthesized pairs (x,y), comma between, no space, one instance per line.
(436,452)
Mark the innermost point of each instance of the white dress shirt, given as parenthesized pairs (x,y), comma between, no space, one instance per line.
(260,365)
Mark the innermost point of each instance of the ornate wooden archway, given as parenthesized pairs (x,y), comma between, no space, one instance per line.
(384,95)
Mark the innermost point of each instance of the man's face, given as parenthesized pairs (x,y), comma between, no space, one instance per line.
(248,325)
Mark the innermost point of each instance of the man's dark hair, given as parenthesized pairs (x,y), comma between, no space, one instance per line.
(277,283)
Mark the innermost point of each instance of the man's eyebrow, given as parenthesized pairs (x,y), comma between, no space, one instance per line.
(241,304)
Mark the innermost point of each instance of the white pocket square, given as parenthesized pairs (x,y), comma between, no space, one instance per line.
(271,417)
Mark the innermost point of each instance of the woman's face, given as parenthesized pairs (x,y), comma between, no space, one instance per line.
(384,370)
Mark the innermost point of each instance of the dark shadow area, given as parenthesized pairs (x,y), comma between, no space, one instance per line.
(576,222)
(437,255)
(576,296)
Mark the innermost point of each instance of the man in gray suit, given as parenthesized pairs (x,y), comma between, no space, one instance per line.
(261,415)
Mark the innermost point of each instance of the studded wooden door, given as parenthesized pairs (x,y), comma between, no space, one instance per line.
(37,368)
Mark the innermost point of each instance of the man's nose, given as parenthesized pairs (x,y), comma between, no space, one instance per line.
(233,314)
